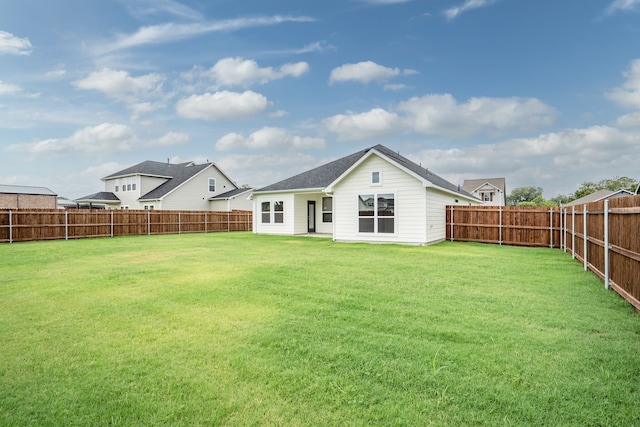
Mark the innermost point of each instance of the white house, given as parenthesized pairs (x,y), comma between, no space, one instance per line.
(374,195)
(158,185)
(492,191)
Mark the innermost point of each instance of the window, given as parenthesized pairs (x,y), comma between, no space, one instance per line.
(266,212)
(148,207)
(212,185)
(116,188)
(376,213)
(275,216)
(487,197)
(375,177)
(327,209)
(278,212)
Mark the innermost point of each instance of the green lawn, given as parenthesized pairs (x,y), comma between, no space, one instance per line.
(237,329)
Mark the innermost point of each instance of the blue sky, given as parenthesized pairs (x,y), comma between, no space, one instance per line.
(544,93)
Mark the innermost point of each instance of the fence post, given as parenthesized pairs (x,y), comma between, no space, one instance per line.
(179,228)
(451,224)
(564,212)
(66,225)
(111,222)
(10,226)
(584,231)
(500,227)
(551,228)
(148,222)
(206,229)
(573,232)
(228,221)
(606,244)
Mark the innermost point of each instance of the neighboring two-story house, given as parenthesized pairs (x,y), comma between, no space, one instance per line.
(492,191)
(166,186)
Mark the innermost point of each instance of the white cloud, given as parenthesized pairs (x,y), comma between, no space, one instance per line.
(142,8)
(267,138)
(12,45)
(628,120)
(222,105)
(558,161)
(623,5)
(170,32)
(246,72)
(319,46)
(468,5)
(9,89)
(442,115)
(365,72)
(398,86)
(56,73)
(375,123)
(171,138)
(629,94)
(249,169)
(121,86)
(100,139)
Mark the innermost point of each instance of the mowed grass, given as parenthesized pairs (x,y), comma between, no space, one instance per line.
(237,329)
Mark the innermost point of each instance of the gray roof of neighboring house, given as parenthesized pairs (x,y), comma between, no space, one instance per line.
(232,193)
(26,189)
(599,195)
(102,196)
(177,174)
(470,185)
(324,175)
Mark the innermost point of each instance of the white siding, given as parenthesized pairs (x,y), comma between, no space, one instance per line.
(241,202)
(287,228)
(194,194)
(410,201)
(301,217)
(436,221)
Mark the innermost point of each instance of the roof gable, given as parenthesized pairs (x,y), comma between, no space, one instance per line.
(331,173)
(471,185)
(599,195)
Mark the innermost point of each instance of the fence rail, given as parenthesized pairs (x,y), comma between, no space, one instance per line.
(23,225)
(604,236)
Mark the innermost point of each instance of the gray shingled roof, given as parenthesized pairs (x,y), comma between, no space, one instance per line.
(26,189)
(231,193)
(324,175)
(599,195)
(177,174)
(471,184)
(102,196)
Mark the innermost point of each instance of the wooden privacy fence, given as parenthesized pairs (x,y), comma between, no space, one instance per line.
(505,225)
(604,236)
(27,225)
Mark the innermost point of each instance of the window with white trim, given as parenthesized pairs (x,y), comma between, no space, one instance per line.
(149,207)
(375,178)
(327,209)
(376,213)
(266,212)
(278,212)
(272,212)
(212,185)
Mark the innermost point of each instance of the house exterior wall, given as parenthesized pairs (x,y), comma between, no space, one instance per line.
(127,198)
(410,201)
(193,195)
(301,217)
(287,227)
(436,221)
(240,202)
(27,201)
(498,196)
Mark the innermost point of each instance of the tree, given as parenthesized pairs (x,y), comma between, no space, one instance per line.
(538,201)
(523,194)
(613,184)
